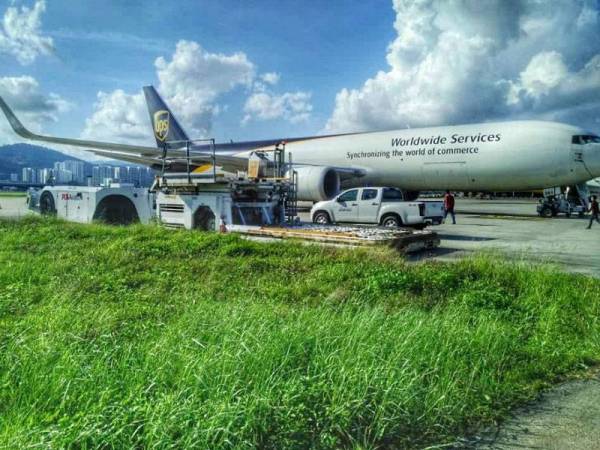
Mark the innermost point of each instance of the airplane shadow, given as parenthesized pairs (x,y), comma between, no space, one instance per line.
(454,237)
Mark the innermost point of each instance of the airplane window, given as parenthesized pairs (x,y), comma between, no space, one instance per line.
(591,139)
(348,196)
(392,195)
(586,139)
(368,194)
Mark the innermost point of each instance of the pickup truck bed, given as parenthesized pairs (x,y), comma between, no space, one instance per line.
(434,211)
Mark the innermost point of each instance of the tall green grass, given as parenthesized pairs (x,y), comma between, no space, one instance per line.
(144,338)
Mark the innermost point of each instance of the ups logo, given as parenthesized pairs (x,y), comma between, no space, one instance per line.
(161,124)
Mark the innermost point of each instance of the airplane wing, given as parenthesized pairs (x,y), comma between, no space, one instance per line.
(129,157)
(150,156)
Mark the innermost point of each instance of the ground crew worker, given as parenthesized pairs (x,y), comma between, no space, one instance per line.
(223,225)
(449,206)
(595,210)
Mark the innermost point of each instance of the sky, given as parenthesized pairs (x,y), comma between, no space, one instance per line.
(238,70)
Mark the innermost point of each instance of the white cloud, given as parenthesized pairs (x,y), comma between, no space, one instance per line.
(544,72)
(21,35)
(466,61)
(194,79)
(264,104)
(119,117)
(271,78)
(292,106)
(34,108)
(190,82)
(547,88)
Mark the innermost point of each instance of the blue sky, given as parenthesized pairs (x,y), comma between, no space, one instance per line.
(246,70)
(103,48)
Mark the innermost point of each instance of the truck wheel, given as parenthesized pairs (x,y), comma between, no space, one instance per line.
(391,221)
(47,207)
(546,211)
(322,218)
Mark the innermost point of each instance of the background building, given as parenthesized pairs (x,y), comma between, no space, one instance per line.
(70,171)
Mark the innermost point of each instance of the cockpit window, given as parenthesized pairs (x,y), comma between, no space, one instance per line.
(586,139)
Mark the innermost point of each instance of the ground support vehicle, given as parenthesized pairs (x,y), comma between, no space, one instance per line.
(116,203)
(216,205)
(567,200)
(209,200)
(264,195)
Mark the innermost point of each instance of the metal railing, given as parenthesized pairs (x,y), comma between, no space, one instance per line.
(188,144)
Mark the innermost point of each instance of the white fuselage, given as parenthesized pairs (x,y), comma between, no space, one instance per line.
(506,156)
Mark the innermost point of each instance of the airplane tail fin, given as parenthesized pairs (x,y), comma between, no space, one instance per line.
(165,125)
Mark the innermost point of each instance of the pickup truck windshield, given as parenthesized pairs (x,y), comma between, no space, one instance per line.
(392,195)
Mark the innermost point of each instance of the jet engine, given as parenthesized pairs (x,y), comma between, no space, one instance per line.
(317,183)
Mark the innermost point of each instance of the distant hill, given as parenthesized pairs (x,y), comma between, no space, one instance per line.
(16,156)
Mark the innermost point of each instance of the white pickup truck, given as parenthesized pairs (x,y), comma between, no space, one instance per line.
(378,205)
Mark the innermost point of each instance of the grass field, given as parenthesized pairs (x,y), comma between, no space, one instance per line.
(12,194)
(145,338)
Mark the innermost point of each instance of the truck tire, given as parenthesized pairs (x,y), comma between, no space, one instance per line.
(546,211)
(391,221)
(322,218)
(47,206)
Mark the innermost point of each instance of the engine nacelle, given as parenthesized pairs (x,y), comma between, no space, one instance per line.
(317,183)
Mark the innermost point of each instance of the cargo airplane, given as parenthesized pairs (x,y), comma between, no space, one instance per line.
(502,156)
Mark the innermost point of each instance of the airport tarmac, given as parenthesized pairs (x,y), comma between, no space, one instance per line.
(510,207)
(13,207)
(561,241)
(513,227)
(507,226)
